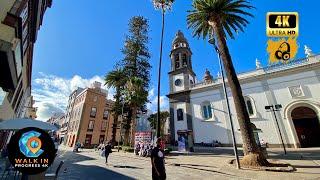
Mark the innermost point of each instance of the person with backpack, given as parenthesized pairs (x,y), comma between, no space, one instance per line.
(107,151)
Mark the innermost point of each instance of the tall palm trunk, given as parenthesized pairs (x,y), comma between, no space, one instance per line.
(250,148)
(159,76)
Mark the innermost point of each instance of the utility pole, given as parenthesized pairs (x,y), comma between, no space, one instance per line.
(212,41)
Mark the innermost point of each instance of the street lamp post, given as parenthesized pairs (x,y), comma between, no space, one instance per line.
(164,5)
(275,108)
(212,41)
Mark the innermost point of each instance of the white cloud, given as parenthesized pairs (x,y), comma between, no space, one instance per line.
(51,92)
(153,98)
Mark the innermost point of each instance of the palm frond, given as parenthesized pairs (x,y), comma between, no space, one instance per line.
(230,13)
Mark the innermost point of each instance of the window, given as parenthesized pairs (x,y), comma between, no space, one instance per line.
(206,110)
(25,33)
(16,95)
(91,125)
(180,114)
(76,125)
(24,14)
(17,56)
(93,112)
(25,44)
(79,112)
(184,59)
(178,82)
(177,62)
(103,125)
(101,139)
(105,114)
(250,105)
(88,139)
(95,98)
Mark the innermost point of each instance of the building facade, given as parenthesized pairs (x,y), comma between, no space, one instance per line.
(19,22)
(90,120)
(199,107)
(59,121)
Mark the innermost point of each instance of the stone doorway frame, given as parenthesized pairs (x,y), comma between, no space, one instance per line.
(315,106)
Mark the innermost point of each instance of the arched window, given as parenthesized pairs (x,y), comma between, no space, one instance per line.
(184,59)
(206,110)
(250,106)
(176,60)
(180,114)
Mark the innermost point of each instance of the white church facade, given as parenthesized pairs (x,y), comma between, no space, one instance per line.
(200,108)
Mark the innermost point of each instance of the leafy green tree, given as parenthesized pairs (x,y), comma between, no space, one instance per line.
(136,66)
(219,18)
(135,96)
(163,118)
(117,80)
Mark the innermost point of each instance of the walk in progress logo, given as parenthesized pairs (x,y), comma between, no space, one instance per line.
(31,150)
(282,30)
(30,144)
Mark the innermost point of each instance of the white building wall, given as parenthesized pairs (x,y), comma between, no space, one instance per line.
(180,125)
(218,128)
(269,88)
(212,129)
(181,87)
(279,87)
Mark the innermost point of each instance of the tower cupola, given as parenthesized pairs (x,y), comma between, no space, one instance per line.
(180,52)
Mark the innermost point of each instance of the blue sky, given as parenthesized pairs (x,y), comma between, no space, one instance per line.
(80,41)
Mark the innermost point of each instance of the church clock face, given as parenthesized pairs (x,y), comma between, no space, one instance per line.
(178,82)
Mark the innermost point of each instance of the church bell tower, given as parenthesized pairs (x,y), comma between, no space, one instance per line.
(181,80)
(181,75)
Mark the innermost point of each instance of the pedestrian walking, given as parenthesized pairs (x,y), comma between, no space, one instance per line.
(157,162)
(107,151)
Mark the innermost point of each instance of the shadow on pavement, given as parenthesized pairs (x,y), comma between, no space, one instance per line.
(197,165)
(129,167)
(72,170)
(305,166)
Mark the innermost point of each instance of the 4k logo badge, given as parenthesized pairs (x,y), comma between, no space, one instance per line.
(282,24)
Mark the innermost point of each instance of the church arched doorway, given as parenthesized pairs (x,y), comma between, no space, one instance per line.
(307,125)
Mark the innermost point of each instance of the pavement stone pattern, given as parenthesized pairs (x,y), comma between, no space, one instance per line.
(89,165)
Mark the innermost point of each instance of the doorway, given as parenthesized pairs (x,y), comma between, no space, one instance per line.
(306,123)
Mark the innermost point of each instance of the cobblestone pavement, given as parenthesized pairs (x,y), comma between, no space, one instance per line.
(88,164)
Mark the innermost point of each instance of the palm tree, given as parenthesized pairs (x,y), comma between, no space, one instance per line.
(218,18)
(164,5)
(117,80)
(136,96)
(163,118)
